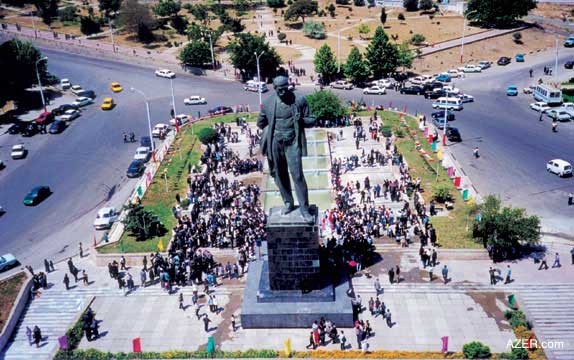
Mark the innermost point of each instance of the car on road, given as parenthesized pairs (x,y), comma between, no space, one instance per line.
(341,84)
(569,42)
(57,127)
(417,80)
(82,101)
(31,129)
(465,98)
(220,110)
(452,134)
(559,167)
(65,84)
(18,152)
(539,106)
(105,218)
(116,87)
(255,86)
(412,90)
(443,78)
(7,261)
(439,123)
(470,68)
(450,103)
(108,104)
(143,153)
(194,100)
(519,57)
(375,90)
(435,94)
(386,83)
(484,64)
(145,141)
(158,129)
(559,114)
(452,90)
(504,60)
(450,116)
(16,128)
(70,115)
(165,73)
(180,119)
(87,93)
(529,89)
(135,169)
(455,73)
(512,90)
(76,89)
(569,64)
(45,117)
(37,195)
(62,109)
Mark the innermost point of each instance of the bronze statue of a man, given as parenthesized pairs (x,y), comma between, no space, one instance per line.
(283,119)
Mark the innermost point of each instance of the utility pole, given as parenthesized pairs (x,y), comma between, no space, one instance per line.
(338,51)
(172,98)
(112,34)
(40,82)
(259,79)
(211,47)
(556,63)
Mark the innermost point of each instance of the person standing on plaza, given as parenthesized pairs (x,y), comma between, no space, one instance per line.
(543,263)
(123,263)
(206,322)
(389,318)
(181,301)
(572,255)
(85,278)
(196,306)
(556,261)
(570,199)
(311,341)
(508,273)
(445,274)
(378,283)
(233,322)
(66,281)
(81,251)
(372,306)
(430,273)
(143,278)
(37,333)
(391,275)
(492,276)
(398,273)
(46,265)
(29,335)
(343,341)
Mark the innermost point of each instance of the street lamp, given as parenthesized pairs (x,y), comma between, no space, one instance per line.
(40,82)
(259,78)
(211,48)
(32,15)
(173,99)
(112,34)
(338,51)
(462,38)
(148,116)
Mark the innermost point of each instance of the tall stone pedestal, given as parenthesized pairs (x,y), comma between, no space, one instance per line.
(285,287)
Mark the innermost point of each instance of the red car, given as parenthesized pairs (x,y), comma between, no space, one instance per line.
(45,118)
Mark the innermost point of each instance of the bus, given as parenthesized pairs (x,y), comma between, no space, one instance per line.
(548,94)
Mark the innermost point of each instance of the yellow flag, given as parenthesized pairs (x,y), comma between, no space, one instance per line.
(160,246)
(439,154)
(288,347)
(471,201)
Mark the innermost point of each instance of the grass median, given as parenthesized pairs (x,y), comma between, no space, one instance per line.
(9,290)
(184,153)
(453,230)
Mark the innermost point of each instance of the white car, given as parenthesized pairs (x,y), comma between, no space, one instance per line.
(484,64)
(417,80)
(452,90)
(142,153)
(158,129)
(559,114)
(539,106)
(165,73)
(471,68)
(18,152)
(76,89)
(194,100)
(105,218)
(386,83)
(465,98)
(376,90)
(70,115)
(65,84)
(454,73)
(181,119)
(82,101)
(559,167)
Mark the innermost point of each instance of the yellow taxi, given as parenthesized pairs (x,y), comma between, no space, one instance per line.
(108,104)
(116,87)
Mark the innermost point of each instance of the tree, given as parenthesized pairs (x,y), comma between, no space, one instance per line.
(425,4)
(207,135)
(18,63)
(281,37)
(506,229)
(405,56)
(167,8)
(276,3)
(301,9)
(242,54)
(325,63)
(142,223)
(47,9)
(314,30)
(179,23)
(356,69)
(383,16)
(325,105)
(363,29)
(331,9)
(196,54)
(68,13)
(144,33)
(136,18)
(90,25)
(359,2)
(381,54)
(411,5)
(517,36)
(500,13)
(241,6)
(418,39)
(200,12)
(109,7)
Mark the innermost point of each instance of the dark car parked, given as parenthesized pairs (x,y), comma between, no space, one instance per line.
(57,127)
(145,141)
(440,115)
(452,134)
(504,60)
(60,110)
(31,129)
(435,94)
(433,85)
(412,90)
(569,64)
(221,110)
(17,128)
(136,169)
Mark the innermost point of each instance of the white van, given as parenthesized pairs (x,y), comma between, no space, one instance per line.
(548,94)
(559,167)
(450,103)
(253,85)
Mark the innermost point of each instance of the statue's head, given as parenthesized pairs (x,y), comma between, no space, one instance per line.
(281,85)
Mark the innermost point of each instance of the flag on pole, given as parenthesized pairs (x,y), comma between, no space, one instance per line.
(512,300)
(439,154)
(210,345)
(176,125)
(137,345)
(288,347)
(160,246)
(444,344)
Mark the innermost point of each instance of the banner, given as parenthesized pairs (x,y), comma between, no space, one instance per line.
(137,345)
(444,344)
(512,300)
(210,345)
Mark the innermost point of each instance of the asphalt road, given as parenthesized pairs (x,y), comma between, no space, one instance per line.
(85,166)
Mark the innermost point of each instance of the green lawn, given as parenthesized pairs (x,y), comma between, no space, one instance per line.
(9,290)
(452,229)
(184,152)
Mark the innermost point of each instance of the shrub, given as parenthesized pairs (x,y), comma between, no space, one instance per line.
(401,17)
(517,318)
(68,13)
(411,5)
(418,39)
(276,3)
(185,203)
(314,30)
(281,37)
(359,2)
(476,350)
(207,135)
(568,91)
(517,36)
(442,193)
(519,353)
(400,133)
(386,131)
(425,4)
